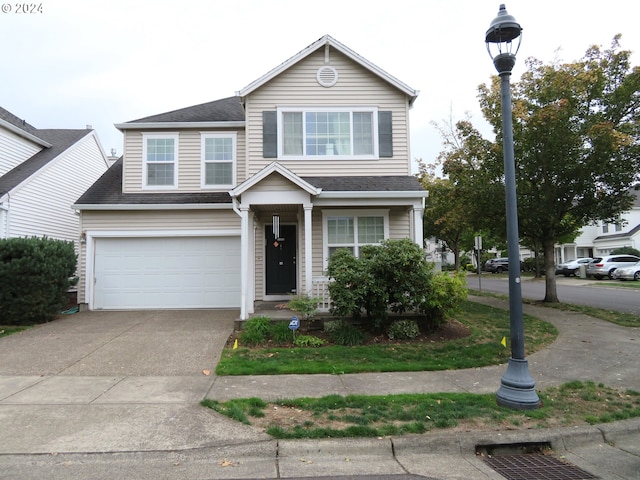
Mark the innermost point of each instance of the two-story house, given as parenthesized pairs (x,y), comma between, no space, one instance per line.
(245,198)
(42,173)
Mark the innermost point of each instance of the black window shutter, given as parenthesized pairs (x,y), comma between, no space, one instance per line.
(385,136)
(269,134)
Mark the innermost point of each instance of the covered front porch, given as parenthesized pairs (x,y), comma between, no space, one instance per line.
(290,225)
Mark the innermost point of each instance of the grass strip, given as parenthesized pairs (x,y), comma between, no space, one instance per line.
(571,404)
(488,325)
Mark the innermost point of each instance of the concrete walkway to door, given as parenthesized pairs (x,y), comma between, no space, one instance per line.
(115,381)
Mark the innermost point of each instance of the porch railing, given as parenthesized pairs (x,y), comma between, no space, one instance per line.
(320,289)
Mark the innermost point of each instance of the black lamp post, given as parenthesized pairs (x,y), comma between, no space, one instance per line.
(517,387)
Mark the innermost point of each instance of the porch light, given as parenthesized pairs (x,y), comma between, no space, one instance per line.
(276,225)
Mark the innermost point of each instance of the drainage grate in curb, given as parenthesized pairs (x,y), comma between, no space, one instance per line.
(535,466)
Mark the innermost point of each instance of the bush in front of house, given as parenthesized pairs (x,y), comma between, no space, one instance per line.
(392,277)
(35,276)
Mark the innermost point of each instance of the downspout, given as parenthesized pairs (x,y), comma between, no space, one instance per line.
(6,217)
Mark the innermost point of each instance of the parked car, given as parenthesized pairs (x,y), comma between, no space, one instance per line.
(627,273)
(601,267)
(498,265)
(571,267)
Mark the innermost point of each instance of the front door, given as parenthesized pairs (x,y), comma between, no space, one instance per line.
(280,258)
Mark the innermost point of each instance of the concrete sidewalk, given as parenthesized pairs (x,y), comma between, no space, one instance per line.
(102,391)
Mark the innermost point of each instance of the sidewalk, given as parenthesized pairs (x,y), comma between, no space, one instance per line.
(76,424)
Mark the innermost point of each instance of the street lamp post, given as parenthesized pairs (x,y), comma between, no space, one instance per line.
(517,387)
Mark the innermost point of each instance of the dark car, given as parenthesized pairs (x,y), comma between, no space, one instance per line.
(498,265)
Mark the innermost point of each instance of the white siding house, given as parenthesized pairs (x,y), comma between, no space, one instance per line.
(42,173)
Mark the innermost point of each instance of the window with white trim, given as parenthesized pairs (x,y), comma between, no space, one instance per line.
(160,160)
(354,229)
(328,132)
(218,160)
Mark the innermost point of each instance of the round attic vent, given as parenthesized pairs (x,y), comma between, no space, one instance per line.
(327,76)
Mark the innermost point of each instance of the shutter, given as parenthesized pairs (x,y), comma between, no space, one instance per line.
(270,134)
(385,136)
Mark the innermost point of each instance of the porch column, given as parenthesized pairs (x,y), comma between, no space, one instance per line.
(418,227)
(244,261)
(308,245)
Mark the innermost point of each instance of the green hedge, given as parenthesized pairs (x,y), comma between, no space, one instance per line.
(35,276)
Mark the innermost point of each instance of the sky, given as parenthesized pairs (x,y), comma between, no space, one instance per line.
(73,63)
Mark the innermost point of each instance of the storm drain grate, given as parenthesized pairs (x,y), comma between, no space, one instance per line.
(535,466)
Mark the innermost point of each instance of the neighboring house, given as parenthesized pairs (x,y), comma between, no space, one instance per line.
(42,173)
(603,238)
(244,199)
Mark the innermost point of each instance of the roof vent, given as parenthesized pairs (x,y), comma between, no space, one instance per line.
(327,76)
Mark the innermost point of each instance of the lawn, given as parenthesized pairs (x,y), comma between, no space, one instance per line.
(571,404)
(486,327)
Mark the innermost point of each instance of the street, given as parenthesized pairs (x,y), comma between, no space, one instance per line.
(607,294)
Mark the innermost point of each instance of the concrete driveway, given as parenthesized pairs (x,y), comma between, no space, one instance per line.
(142,343)
(114,381)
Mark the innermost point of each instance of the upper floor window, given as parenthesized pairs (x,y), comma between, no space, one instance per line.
(325,133)
(218,159)
(160,160)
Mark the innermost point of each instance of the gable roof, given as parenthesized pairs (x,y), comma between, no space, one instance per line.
(20,127)
(324,42)
(224,112)
(275,167)
(59,141)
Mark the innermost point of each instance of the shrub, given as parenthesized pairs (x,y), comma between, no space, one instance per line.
(403,330)
(280,333)
(307,341)
(626,251)
(392,276)
(343,333)
(35,276)
(255,331)
(444,298)
(304,305)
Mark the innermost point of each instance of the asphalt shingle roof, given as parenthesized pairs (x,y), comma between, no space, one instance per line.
(107,190)
(60,140)
(224,110)
(9,117)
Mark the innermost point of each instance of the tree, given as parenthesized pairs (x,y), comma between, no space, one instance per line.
(577,147)
(457,204)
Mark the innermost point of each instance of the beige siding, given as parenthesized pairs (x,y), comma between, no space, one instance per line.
(161,220)
(189,158)
(356,86)
(399,223)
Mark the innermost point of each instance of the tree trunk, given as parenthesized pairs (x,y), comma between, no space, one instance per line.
(551,292)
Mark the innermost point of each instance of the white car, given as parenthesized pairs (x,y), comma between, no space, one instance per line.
(571,267)
(631,272)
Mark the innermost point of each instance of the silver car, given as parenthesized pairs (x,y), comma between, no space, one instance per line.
(628,273)
(571,267)
(601,267)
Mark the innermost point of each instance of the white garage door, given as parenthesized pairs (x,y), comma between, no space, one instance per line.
(155,273)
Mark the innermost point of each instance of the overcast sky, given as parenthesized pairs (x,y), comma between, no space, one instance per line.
(98,62)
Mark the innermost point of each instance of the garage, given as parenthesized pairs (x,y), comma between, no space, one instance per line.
(167,272)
